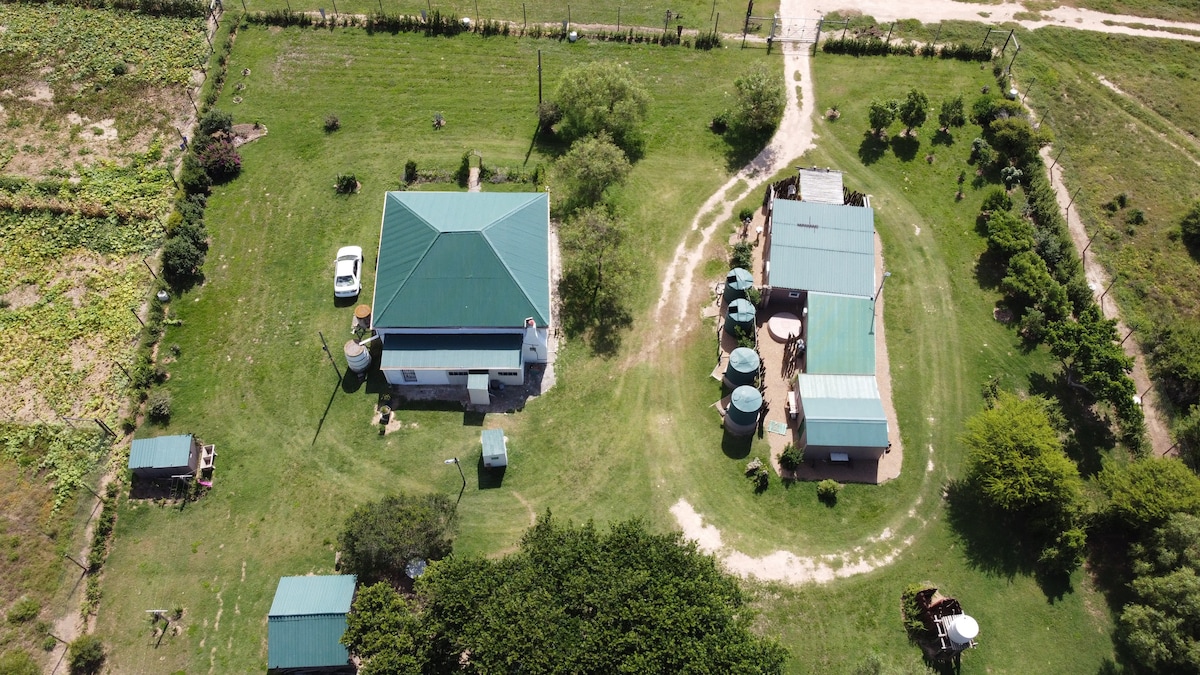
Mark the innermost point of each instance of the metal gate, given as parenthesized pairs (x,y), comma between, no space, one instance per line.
(803,31)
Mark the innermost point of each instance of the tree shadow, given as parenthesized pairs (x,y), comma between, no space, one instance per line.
(473,418)
(943,137)
(872,148)
(990,269)
(742,147)
(987,544)
(1090,437)
(906,147)
(736,447)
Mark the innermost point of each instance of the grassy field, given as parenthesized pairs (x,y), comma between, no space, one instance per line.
(616,438)
(1137,137)
(1173,10)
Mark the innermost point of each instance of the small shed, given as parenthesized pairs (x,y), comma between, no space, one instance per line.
(477,388)
(743,367)
(495,448)
(744,405)
(741,315)
(306,623)
(164,456)
(737,282)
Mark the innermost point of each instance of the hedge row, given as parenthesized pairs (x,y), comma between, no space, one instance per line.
(877,47)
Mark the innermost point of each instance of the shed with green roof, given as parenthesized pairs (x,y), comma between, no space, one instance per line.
(164,456)
(843,416)
(462,286)
(306,623)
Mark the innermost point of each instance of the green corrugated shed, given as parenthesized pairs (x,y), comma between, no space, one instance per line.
(843,411)
(463,259)
(164,452)
(841,335)
(465,351)
(495,450)
(822,247)
(307,620)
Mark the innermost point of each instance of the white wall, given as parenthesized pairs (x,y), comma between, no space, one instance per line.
(441,377)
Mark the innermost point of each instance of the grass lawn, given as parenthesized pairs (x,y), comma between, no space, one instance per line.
(616,438)
(1140,142)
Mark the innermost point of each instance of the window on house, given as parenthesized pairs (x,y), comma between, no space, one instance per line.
(508,373)
(793,294)
(409,375)
(457,373)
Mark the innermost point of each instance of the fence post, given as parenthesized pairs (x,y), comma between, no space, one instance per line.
(938,34)
(889,37)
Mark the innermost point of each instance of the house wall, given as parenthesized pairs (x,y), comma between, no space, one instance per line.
(821,452)
(433,377)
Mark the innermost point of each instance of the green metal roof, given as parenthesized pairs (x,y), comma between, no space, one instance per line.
(463,259)
(477,381)
(306,641)
(493,442)
(164,452)
(822,247)
(306,621)
(455,351)
(325,594)
(843,411)
(841,335)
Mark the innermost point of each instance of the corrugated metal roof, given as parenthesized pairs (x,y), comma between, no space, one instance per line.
(822,186)
(453,351)
(493,442)
(324,594)
(841,337)
(164,452)
(843,410)
(458,259)
(824,248)
(306,641)
(477,381)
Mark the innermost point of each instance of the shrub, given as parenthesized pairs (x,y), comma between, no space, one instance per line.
(757,472)
(346,183)
(792,457)
(745,214)
(24,610)
(214,120)
(194,178)
(194,233)
(48,644)
(332,123)
(548,115)
(1189,227)
(85,655)
(912,609)
(158,407)
(827,490)
(463,175)
(180,259)
(18,662)
(1135,217)
(743,255)
(410,172)
(220,159)
(720,123)
(754,295)
(120,69)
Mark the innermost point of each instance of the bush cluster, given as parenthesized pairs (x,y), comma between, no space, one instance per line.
(876,47)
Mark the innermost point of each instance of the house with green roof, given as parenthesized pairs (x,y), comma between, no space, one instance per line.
(164,456)
(462,288)
(306,623)
(818,247)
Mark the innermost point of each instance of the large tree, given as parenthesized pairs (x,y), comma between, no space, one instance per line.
(380,538)
(1175,358)
(597,270)
(760,99)
(602,96)
(951,113)
(1092,358)
(591,165)
(1144,493)
(575,600)
(914,110)
(1161,626)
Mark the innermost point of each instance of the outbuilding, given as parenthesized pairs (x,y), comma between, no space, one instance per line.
(306,623)
(164,456)
(495,448)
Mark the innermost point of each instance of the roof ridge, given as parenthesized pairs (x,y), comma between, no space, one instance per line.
(400,286)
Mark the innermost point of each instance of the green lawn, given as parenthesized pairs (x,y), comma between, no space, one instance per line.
(616,438)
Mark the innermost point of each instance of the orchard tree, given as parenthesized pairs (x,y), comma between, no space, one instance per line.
(760,99)
(1159,626)
(591,165)
(881,114)
(1029,283)
(1092,358)
(380,538)
(602,96)
(914,110)
(1175,358)
(951,113)
(1010,234)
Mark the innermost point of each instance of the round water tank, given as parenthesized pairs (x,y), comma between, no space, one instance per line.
(357,356)
(737,282)
(961,629)
(743,367)
(744,405)
(741,315)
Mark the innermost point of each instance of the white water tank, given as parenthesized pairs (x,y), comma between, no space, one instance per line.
(961,629)
(358,357)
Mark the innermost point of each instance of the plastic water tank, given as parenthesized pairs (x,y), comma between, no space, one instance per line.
(962,629)
(358,357)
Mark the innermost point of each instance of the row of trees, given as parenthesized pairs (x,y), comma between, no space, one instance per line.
(571,599)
